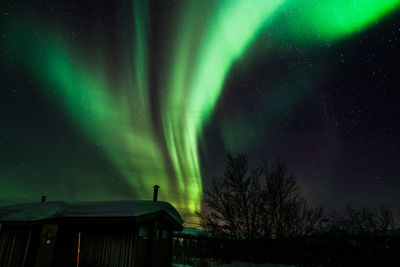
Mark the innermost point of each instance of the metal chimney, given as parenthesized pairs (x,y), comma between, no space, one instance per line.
(44,199)
(155,195)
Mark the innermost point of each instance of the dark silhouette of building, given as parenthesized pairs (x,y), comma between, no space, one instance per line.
(118,233)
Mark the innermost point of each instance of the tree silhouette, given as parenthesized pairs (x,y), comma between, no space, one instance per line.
(234,200)
(261,202)
(285,212)
(363,221)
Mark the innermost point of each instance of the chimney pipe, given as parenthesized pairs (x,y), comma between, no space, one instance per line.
(155,195)
(43,199)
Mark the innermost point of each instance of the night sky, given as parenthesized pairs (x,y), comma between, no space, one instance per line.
(100,100)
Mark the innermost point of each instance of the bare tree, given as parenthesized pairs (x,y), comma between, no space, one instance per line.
(364,221)
(384,219)
(234,201)
(309,219)
(241,204)
(286,213)
(358,222)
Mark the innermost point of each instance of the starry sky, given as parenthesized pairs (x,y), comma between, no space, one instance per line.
(100,100)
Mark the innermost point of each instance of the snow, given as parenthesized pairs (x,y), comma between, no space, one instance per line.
(31,211)
(47,210)
(243,264)
(192,231)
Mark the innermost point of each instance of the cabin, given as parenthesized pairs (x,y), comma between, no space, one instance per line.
(115,233)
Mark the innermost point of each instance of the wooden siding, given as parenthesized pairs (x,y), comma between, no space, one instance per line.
(162,245)
(16,245)
(103,243)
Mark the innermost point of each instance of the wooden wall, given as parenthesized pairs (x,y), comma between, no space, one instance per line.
(18,245)
(102,244)
(114,245)
(162,245)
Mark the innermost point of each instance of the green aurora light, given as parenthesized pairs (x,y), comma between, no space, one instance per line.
(205,48)
(313,21)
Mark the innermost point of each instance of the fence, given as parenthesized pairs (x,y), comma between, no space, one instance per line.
(323,250)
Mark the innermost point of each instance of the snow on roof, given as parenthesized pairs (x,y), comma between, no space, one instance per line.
(193,231)
(31,211)
(47,210)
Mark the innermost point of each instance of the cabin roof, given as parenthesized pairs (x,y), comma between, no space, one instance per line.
(30,212)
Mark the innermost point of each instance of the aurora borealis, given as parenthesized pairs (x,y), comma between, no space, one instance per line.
(102,100)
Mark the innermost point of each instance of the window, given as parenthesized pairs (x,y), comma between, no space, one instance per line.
(49,235)
(164,234)
(143,232)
